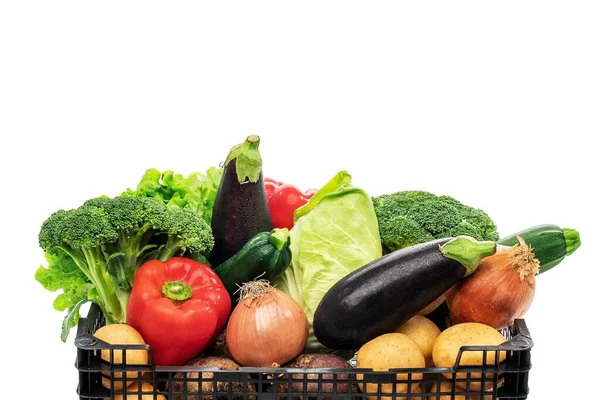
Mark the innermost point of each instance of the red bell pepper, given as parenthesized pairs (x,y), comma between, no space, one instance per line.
(179,306)
(283,200)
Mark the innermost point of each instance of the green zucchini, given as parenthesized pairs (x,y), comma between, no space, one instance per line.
(550,243)
(266,256)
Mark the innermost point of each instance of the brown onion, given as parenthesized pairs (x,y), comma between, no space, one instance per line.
(499,291)
(267,327)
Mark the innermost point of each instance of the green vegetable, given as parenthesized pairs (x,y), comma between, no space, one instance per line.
(63,274)
(94,251)
(266,255)
(334,234)
(550,243)
(411,217)
(196,191)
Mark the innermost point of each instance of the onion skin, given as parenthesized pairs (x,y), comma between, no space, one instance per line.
(499,291)
(267,331)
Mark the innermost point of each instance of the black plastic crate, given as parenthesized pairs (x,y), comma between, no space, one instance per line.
(501,380)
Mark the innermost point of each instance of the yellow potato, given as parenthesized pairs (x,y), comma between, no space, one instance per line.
(423,332)
(446,387)
(133,395)
(435,304)
(121,334)
(448,343)
(391,350)
(416,390)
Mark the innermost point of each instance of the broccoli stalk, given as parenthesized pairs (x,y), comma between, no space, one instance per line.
(108,240)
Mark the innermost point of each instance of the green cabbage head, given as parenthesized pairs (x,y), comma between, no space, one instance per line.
(335,233)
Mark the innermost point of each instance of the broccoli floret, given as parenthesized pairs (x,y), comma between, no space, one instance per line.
(399,232)
(412,217)
(82,234)
(110,238)
(186,233)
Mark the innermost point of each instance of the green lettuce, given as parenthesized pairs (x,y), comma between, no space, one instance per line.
(335,233)
(197,191)
(63,274)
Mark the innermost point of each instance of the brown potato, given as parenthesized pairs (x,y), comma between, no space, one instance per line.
(219,347)
(448,343)
(423,332)
(311,361)
(391,350)
(133,395)
(121,334)
(192,387)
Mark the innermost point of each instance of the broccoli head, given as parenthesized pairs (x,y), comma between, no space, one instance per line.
(411,217)
(109,239)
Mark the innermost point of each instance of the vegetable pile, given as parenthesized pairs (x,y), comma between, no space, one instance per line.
(228,268)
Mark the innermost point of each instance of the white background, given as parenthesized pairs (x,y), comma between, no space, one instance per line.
(496,105)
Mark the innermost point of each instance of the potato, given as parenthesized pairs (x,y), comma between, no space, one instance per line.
(416,391)
(207,386)
(133,395)
(449,342)
(446,387)
(391,350)
(219,347)
(432,307)
(311,361)
(121,334)
(423,332)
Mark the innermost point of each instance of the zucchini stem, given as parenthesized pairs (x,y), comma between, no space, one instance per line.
(279,238)
(572,240)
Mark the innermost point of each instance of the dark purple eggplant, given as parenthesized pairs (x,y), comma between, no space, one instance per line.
(241,210)
(382,295)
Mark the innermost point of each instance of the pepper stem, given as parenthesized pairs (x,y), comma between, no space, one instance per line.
(248,162)
(177,290)
(468,251)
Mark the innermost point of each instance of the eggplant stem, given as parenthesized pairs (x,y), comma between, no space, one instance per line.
(248,162)
(468,251)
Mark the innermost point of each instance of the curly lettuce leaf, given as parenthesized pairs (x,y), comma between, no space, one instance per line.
(196,191)
(335,233)
(63,274)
